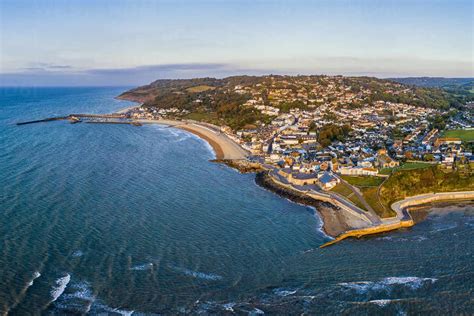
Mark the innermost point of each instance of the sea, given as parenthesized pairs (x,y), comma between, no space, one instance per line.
(126,220)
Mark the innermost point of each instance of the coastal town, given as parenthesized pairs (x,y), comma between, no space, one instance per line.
(332,136)
(363,145)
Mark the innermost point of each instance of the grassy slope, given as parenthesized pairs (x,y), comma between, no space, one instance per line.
(371,196)
(343,190)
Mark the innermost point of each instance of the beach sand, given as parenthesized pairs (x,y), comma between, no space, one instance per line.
(224,147)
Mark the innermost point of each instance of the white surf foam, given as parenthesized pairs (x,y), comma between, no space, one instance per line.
(35,276)
(198,274)
(77,253)
(79,298)
(283,292)
(142,267)
(229,307)
(386,284)
(61,285)
(256,311)
(102,309)
(381,303)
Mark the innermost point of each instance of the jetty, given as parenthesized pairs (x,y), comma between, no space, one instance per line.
(42,121)
(115,118)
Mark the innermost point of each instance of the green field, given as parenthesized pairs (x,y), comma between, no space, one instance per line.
(363,181)
(201,88)
(466,135)
(414,165)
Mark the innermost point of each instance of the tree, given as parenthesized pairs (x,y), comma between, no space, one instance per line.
(428,157)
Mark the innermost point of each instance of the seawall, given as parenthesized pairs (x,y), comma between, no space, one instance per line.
(401,208)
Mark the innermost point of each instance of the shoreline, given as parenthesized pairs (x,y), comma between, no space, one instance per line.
(224,147)
(333,221)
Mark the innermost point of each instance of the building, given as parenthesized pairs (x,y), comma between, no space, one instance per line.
(298,178)
(328,181)
(358,171)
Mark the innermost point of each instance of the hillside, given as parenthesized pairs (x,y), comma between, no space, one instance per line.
(228,101)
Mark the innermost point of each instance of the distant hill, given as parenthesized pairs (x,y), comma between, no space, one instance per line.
(462,87)
(435,82)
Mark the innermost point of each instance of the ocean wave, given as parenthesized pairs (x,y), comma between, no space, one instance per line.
(61,285)
(229,306)
(78,299)
(386,284)
(283,292)
(142,267)
(217,308)
(397,239)
(256,311)
(381,303)
(103,309)
(35,276)
(77,253)
(198,275)
(80,290)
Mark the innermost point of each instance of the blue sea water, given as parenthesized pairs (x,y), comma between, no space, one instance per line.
(119,219)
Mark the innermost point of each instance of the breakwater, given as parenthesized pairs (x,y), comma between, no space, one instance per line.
(358,233)
(88,118)
(42,121)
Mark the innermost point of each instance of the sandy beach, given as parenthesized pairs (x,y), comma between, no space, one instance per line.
(224,147)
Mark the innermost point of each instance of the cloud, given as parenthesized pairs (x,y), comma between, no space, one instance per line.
(38,67)
(59,75)
(46,74)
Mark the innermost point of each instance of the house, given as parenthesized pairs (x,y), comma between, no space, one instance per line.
(328,181)
(298,178)
(448,141)
(358,171)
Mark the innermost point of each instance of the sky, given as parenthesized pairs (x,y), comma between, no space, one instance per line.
(133,42)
